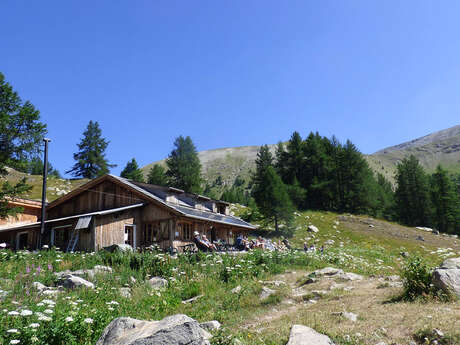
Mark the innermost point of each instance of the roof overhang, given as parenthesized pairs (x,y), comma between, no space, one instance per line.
(83,216)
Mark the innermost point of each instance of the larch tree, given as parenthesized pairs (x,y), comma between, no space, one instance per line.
(157,175)
(184,167)
(90,158)
(21,133)
(412,199)
(132,171)
(269,191)
(446,203)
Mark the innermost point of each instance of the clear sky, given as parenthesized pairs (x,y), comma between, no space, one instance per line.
(232,73)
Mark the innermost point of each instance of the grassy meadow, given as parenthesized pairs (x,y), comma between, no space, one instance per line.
(79,316)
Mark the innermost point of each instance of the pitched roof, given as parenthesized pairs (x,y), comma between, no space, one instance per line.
(186,203)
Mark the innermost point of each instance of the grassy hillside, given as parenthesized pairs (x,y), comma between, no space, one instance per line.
(55,187)
(441,147)
(79,316)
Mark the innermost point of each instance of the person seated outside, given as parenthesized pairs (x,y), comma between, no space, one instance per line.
(305,246)
(312,248)
(240,243)
(210,245)
(260,243)
(286,243)
(200,244)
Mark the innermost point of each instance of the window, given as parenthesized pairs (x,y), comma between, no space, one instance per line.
(221,209)
(186,229)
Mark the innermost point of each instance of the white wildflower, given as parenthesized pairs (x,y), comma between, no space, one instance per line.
(14,341)
(13,330)
(88,320)
(13,313)
(34,325)
(69,319)
(26,312)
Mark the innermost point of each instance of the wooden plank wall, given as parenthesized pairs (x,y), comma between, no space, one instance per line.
(103,196)
(110,229)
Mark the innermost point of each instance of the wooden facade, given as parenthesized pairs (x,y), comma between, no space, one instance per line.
(118,211)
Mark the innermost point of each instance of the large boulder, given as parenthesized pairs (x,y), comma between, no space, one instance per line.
(120,247)
(265,293)
(303,335)
(447,279)
(328,271)
(70,281)
(172,330)
(348,276)
(158,283)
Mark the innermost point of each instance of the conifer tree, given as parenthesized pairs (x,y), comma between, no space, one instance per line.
(21,133)
(413,206)
(157,175)
(184,167)
(132,171)
(445,199)
(271,197)
(90,158)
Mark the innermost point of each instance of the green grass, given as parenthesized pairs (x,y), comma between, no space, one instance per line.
(210,275)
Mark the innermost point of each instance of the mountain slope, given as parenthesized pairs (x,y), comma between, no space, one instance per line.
(442,147)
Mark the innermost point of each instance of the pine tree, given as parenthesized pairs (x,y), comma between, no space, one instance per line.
(271,197)
(21,133)
(35,167)
(413,206)
(132,171)
(184,167)
(445,200)
(157,176)
(90,159)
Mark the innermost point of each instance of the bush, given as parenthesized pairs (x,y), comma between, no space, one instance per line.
(416,276)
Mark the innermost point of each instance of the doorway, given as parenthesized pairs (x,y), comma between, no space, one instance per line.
(130,235)
(22,241)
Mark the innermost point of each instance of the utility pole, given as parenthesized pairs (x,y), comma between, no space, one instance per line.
(45,177)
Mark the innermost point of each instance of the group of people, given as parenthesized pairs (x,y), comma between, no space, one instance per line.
(202,243)
(243,243)
(311,248)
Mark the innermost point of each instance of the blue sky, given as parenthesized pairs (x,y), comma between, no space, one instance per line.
(232,73)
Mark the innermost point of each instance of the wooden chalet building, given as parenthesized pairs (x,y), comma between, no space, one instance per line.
(30,214)
(113,210)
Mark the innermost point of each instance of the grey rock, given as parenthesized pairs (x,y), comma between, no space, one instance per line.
(191,300)
(447,280)
(172,330)
(328,271)
(420,238)
(404,254)
(453,263)
(393,278)
(158,283)
(266,292)
(303,335)
(348,276)
(120,247)
(350,316)
(312,228)
(210,325)
(39,286)
(70,281)
(329,242)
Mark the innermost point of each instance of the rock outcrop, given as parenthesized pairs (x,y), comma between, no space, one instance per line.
(303,335)
(172,330)
(447,277)
(70,281)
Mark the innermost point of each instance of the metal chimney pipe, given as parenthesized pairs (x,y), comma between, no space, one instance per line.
(45,177)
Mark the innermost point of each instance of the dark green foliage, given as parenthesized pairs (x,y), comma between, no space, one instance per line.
(157,176)
(416,275)
(90,158)
(132,171)
(446,203)
(21,133)
(184,167)
(269,191)
(35,167)
(412,197)
(384,199)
